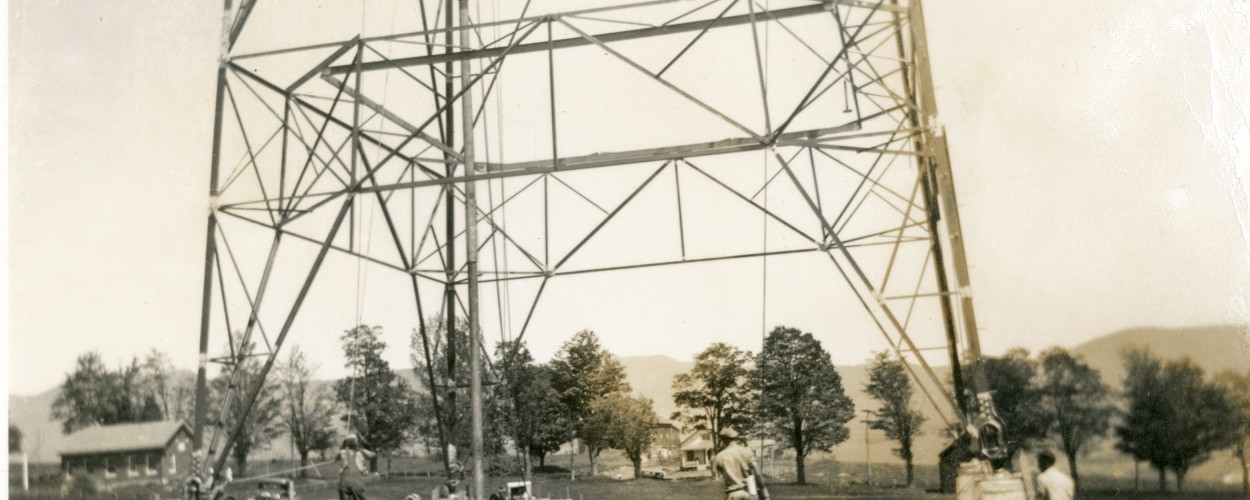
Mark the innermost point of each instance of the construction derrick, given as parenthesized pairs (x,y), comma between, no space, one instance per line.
(608,139)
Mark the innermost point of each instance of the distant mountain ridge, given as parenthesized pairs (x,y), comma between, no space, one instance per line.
(1215,348)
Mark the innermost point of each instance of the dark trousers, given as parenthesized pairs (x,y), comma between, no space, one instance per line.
(351,493)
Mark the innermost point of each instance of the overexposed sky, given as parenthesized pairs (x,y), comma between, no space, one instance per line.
(1100,153)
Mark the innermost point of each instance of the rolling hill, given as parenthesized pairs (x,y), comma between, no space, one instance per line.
(1214,348)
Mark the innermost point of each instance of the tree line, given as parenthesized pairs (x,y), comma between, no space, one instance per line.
(790,392)
(1169,414)
(533,408)
(150,389)
(145,389)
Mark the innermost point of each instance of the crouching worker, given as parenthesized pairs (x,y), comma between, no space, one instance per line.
(450,489)
(355,467)
(736,464)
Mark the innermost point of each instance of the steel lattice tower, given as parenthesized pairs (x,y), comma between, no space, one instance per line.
(832,115)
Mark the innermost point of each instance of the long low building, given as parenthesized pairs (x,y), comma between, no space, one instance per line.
(129,453)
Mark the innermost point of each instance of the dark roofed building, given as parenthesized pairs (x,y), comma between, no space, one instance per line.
(666,438)
(129,453)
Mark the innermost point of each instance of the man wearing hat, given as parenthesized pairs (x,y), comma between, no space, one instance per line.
(355,466)
(736,464)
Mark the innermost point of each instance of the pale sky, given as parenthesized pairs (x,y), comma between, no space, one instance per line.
(1100,152)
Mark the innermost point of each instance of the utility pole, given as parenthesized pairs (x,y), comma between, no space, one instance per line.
(867,450)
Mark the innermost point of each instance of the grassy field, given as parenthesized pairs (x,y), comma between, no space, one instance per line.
(828,478)
(604,488)
(601,488)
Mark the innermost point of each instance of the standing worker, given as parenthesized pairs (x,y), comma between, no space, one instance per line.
(355,466)
(1052,483)
(736,464)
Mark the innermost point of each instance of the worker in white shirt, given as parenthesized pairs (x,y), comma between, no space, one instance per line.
(1052,483)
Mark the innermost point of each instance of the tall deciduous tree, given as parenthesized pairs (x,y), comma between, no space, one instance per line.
(631,425)
(1076,402)
(898,417)
(801,401)
(1142,433)
(584,371)
(1012,379)
(308,409)
(379,406)
(84,398)
(455,412)
(174,390)
(230,390)
(1175,419)
(528,406)
(1236,389)
(714,394)
(157,377)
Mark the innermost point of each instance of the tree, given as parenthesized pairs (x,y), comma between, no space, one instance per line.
(308,410)
(632,425)
(230,390)
(15,439)
(380,407)
(714,394)
(1236,390)
(156,376)
(173,390)
(1011,378)
(1174,418)
(596,431)
(1076,402)
(1142,433)
(898,417)
(182,396)
(95,395)
(584,371)
(151,410)
(528,406)
(801,401)
(84,397)
(451,389)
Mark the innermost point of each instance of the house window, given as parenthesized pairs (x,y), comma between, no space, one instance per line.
(132,465)
(173,464)
(182,445)
(110,468)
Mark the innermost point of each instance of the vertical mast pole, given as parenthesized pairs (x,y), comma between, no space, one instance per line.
(210,246)
(449,293)
(933,213)
(935,141)
(470,221)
